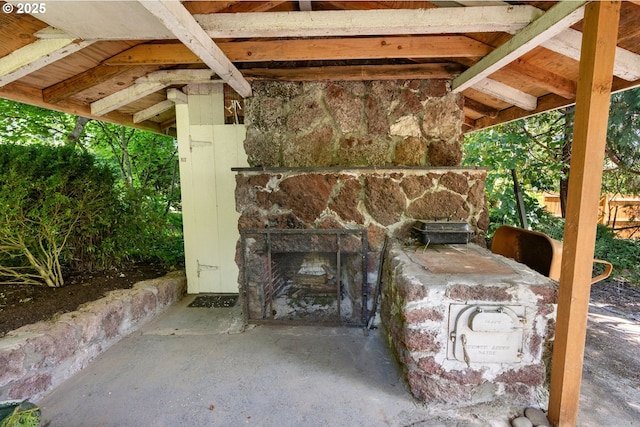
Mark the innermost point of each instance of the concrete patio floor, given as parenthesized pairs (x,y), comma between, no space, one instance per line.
(195,366)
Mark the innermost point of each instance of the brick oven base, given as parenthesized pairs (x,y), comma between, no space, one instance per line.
(468,326)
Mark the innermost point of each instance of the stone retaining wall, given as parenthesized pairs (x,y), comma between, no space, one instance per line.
(38,357)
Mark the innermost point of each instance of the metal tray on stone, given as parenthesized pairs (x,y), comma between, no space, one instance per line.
(441,232)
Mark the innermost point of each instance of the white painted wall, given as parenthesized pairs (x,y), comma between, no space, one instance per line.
(208,149)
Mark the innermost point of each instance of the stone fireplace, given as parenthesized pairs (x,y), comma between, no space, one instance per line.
(339,174)
(376,202)
(373,156)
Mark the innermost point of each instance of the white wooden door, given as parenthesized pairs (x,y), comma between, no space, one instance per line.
(211,225)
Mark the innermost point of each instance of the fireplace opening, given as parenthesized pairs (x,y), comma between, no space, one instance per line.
(305,276)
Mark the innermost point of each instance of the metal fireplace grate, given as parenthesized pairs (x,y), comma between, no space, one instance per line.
(304,276)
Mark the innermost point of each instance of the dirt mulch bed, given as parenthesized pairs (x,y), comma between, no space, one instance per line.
(25,304)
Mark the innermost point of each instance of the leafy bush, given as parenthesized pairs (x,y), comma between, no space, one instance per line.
(51,199)
(60,212)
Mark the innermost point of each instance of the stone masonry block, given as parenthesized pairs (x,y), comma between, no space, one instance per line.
(31,386)
(143,304)
(421,340)
(424,314)
(12,358)
(435,389)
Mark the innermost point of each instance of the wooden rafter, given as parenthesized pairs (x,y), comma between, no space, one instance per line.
(82,81)
(176,77)
(507,94)
(35,56)
(545,79)
(181,23)
(480,108)
(20,92)
(305,5)
(356,72)
(177,96)
(558,18)
(548,102)
(234,6)
(627,65)
(153,111)
(124,97)
(508,19)
(149,84)
(311,50)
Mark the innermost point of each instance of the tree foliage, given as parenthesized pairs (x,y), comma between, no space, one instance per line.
(144,161)
(539,149)
(622,166)
(26,124)
(534,149)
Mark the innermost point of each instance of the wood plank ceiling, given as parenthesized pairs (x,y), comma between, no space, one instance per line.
(121,61)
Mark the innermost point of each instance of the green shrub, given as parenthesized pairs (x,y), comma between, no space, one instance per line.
(53,200)
(61,212)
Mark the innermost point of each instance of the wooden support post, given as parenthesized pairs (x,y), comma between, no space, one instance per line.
(585,177)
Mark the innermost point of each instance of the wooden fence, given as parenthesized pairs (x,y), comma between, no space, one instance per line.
(621,213)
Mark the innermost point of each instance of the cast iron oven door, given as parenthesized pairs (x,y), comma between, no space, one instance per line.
(486,333)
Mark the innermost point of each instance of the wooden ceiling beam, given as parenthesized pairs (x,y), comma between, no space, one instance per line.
(153,111)
(149,84)
(179,77)
(82,81)
(20,92)
(155,54)
(177,96)
(545,103)
(480,108)
(124,97)
(182,24)
(507,94)
(545,79)
(378,22)
(237,6)
(311,50)
(561,16)
(627,65)
(356,72)
(305,5)
(169,123)
(468,123)
(35,56)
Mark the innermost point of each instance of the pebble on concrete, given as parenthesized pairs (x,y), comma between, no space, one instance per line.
(537,417)
(521,422)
